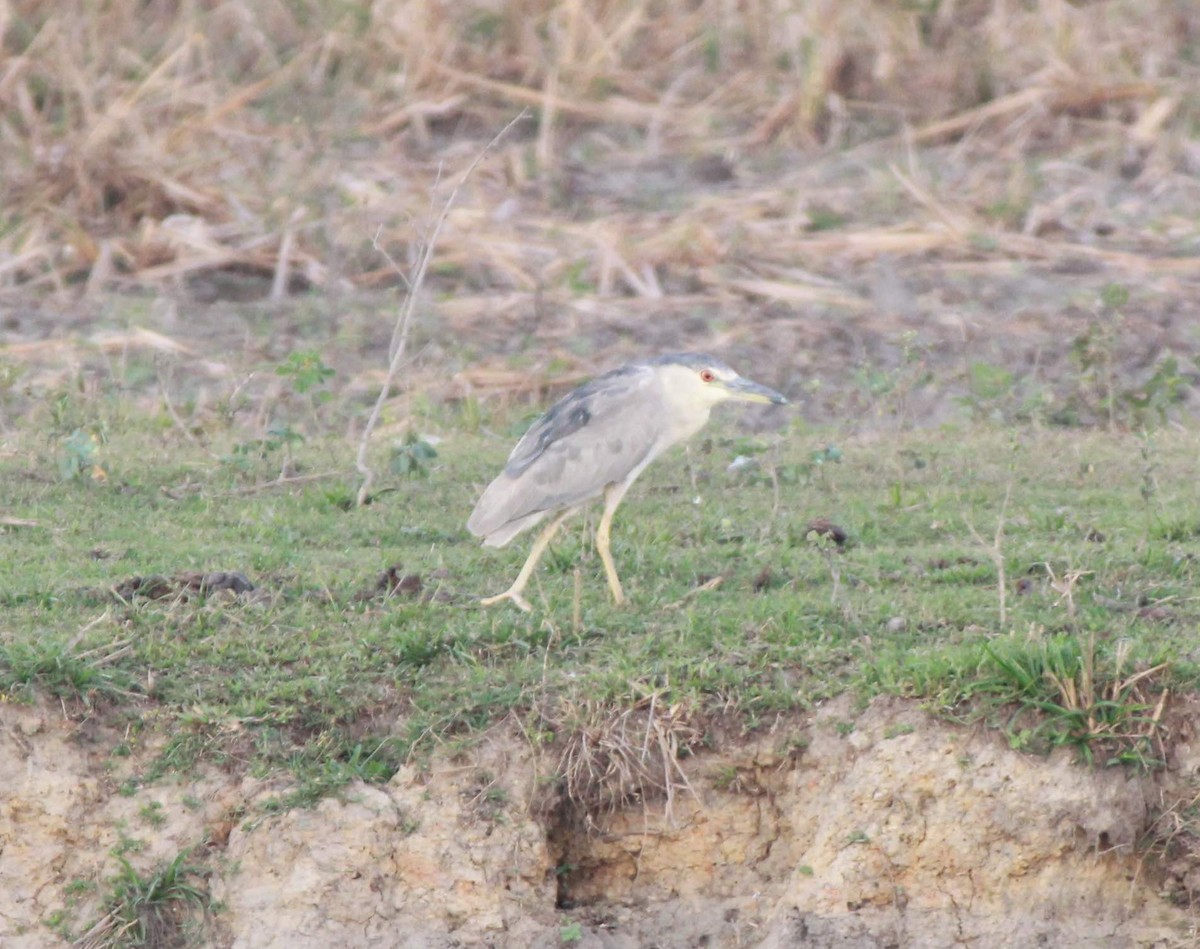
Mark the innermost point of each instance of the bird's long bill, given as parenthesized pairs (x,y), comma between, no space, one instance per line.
(749,391)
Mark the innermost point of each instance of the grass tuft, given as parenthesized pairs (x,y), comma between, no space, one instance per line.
(1069,689)
(613,757)
(163,909)
(63,668)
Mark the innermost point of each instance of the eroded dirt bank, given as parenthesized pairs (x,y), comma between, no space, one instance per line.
(880,828)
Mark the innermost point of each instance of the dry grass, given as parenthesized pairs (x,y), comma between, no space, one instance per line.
(1093,694)
(150,144)
(615,757)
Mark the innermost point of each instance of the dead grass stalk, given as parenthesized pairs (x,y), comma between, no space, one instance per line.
(617,756)
(403,326)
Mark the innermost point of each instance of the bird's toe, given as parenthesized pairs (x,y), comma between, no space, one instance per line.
(515,597)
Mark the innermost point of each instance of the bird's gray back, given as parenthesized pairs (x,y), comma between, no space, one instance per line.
(594,436)
(601,397)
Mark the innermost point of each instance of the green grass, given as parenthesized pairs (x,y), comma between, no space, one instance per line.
(320,675)
(161,909)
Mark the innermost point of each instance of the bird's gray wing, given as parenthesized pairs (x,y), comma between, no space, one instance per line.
(593,437)
(603,396)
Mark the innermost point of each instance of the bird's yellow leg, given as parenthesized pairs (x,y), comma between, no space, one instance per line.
(612,497)
(535,554)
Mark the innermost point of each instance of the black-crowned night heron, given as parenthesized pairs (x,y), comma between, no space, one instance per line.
(595,441)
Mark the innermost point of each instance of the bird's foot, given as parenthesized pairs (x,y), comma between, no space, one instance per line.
(509,594)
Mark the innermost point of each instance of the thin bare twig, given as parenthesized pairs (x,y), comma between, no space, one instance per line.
(164,392)
(711,584)
(404,319)
(280,482)
(995,550)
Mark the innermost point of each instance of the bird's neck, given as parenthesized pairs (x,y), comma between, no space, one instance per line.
(684,418)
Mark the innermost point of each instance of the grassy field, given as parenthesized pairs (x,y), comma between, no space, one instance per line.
(1040,579)
(962,237)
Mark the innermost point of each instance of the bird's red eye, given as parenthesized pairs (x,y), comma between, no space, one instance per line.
(706,375)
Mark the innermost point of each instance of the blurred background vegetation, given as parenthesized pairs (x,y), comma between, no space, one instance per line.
(147,141)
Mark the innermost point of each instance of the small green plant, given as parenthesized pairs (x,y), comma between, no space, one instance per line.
(496,796)
(725,778)
(570,933)
(812,470)
(822,218)
(69,409)
(1113,296)
(483,27)
(126,844)
(65,670)
(1068,690)
(330,763)
(307,373)
(470,415)
(1092,353)
(279,436)
(1149,470)
(826,455)
(59,923)
(152,813)
(411,457)
(10,374)
(1149,403)
(989,391)
(1097,394)
(78,887)
(890,390)
(157,910)
(578,279)
(79,457)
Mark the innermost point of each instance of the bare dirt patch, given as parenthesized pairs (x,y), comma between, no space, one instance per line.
(192,584)
(876,828)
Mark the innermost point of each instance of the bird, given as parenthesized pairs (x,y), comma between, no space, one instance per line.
(594,442)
